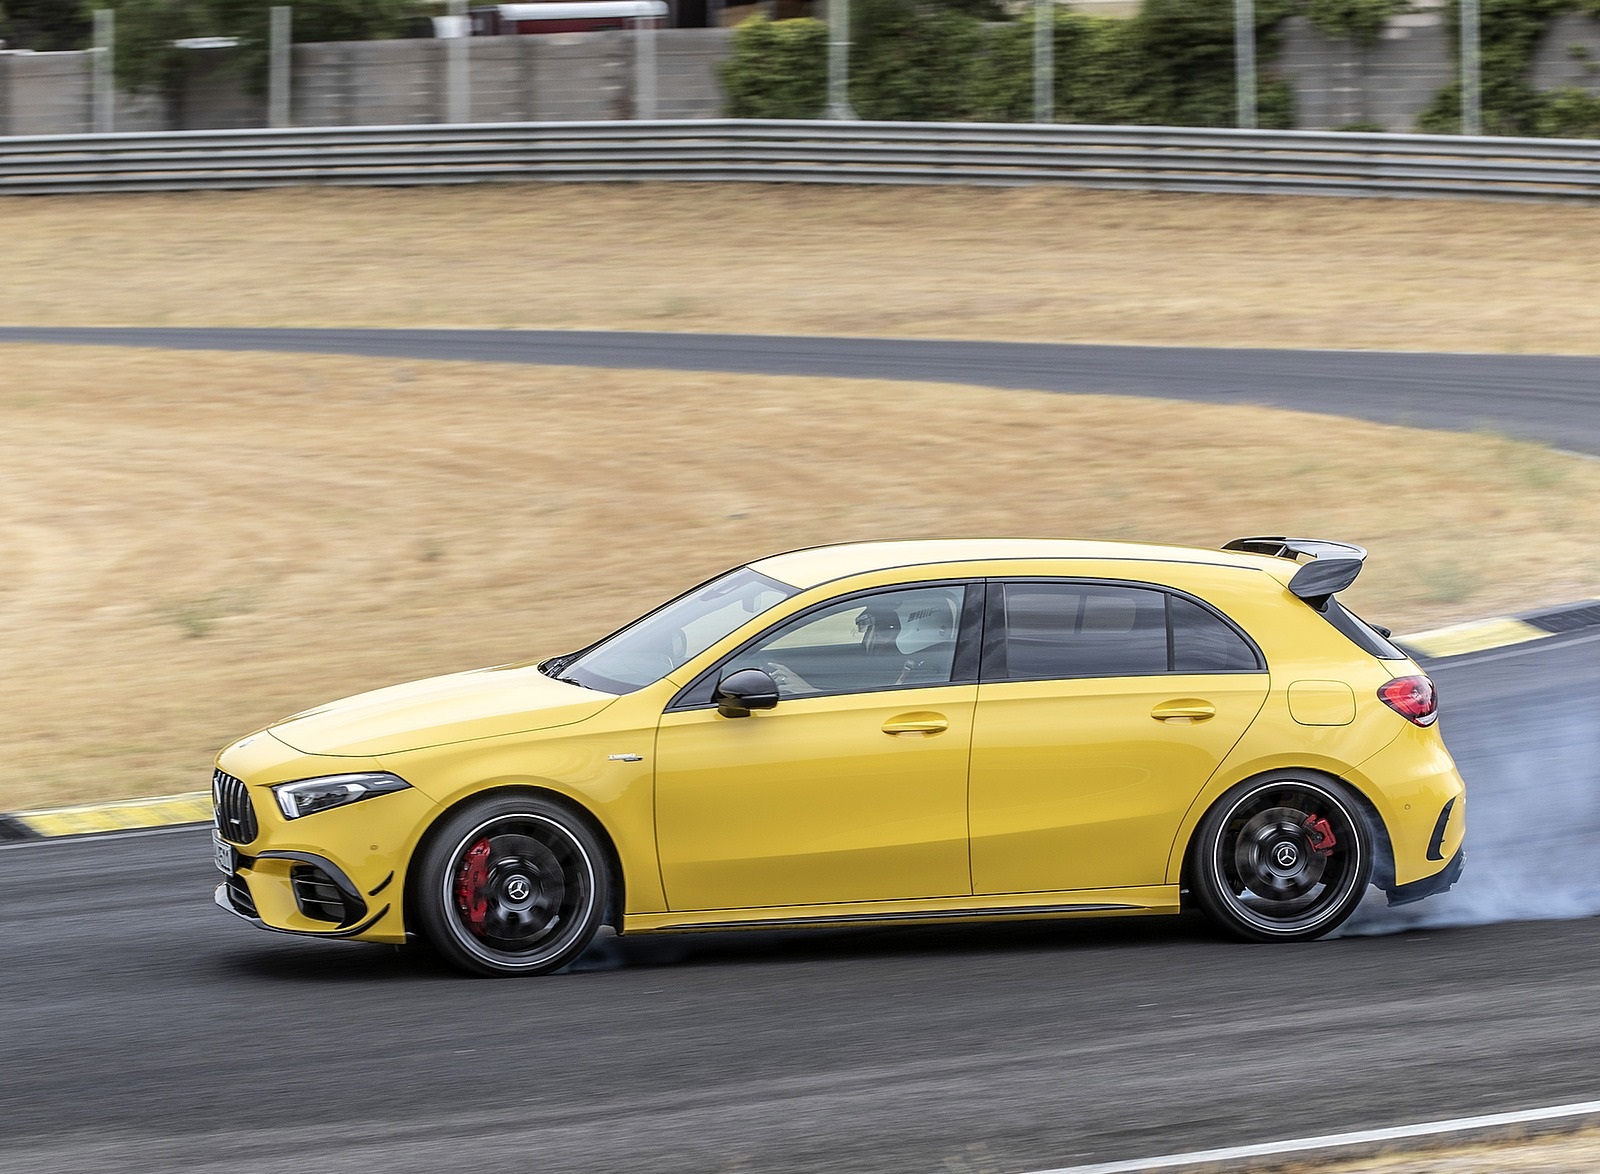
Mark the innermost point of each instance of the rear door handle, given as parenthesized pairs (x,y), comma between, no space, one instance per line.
(1187,709)
(917,723)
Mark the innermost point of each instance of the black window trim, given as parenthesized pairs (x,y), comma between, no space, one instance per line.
(696,694)
(1383,647)
(994,672)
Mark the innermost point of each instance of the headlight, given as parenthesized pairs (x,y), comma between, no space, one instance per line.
(312,795)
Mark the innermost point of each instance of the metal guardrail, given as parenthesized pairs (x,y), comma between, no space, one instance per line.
(1144,158)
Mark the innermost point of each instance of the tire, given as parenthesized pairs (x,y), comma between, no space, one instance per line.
(1285,857)
(512,885)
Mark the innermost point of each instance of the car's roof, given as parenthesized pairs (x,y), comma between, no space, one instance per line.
(824,564)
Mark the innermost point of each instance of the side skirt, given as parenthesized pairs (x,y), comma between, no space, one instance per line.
(1153,899)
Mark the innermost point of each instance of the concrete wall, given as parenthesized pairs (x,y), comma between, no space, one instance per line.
(44,93)
(581,76)
(1569,55)
(555,77)
(1337,84)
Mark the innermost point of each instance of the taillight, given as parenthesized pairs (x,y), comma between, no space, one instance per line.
(1412,698)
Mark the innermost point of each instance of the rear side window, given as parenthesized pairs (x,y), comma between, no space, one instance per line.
(1083,630)
(1203,642)
(1362,634)
(1057,630)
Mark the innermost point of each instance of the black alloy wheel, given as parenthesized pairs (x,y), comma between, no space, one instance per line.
(1284,857)
(512,884)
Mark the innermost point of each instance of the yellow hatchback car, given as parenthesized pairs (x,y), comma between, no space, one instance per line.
(878,732)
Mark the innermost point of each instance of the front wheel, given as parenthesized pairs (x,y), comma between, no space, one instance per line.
(1285,857)
(512,885)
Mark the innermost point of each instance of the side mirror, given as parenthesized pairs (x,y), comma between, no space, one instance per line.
(748,689)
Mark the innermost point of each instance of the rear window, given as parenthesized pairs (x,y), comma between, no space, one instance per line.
(1362,634)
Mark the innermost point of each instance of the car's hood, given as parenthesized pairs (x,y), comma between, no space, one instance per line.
(484,703)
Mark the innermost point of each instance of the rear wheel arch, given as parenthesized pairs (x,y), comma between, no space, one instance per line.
(1383,857)
(1211,832)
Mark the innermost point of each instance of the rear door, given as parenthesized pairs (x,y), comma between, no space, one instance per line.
(1103,709)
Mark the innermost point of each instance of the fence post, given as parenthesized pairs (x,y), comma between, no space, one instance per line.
(278,68)
(839,59)
(644,67)
(1471,48)
(1044,60)
(105,85)
(458,82)
(1244,55)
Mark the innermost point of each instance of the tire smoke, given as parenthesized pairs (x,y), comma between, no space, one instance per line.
(1533,825)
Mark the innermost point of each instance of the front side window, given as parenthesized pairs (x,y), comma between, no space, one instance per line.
(651,647)
(892,639)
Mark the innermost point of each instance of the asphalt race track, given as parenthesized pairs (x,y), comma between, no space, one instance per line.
(1552,399)
(142,1029)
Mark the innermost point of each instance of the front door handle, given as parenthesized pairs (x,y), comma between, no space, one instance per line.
(1187,709)
(917,723)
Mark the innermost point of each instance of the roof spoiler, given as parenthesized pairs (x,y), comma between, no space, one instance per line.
(1333,566)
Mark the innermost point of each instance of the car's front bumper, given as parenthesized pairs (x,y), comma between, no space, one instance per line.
(321,892)
(338,873)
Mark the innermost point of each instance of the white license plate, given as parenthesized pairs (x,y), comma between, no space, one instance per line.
(223,853)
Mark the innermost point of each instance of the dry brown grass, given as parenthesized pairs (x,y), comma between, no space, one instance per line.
(1029,263)
(198,544)
(1577,1153)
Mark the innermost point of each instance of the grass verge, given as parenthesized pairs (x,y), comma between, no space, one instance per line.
(1041,263)
(198,544)
(1577,1153)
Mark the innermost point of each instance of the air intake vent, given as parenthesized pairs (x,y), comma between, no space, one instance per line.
(317,896)
(236,818)
(239,894)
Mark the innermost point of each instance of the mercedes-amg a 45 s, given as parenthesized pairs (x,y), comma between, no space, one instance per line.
(879,732)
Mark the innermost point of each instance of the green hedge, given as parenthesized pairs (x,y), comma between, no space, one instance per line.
(1172,65)
(1510,32)
(777,69)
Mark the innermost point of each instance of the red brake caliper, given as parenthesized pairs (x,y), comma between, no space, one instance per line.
(1320,834)
(470,883)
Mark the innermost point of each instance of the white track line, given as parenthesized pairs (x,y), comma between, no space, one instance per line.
(1363,1140)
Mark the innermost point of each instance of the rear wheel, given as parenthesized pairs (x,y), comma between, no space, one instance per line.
(1285,857)
(512,885)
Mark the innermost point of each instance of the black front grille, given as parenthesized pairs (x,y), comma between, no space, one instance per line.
(317,896)
(236,818)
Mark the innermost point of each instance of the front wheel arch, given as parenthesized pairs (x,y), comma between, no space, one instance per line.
(612,861)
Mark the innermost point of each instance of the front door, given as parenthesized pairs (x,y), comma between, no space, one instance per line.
(853,788)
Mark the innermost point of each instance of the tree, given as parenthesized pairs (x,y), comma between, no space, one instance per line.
(45,25)
(313,20)
(147,61)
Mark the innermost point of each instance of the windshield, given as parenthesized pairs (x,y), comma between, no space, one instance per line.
(650,648)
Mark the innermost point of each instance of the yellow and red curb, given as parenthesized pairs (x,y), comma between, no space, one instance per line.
(194,807)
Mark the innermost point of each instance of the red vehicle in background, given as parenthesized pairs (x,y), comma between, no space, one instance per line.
(556,16)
